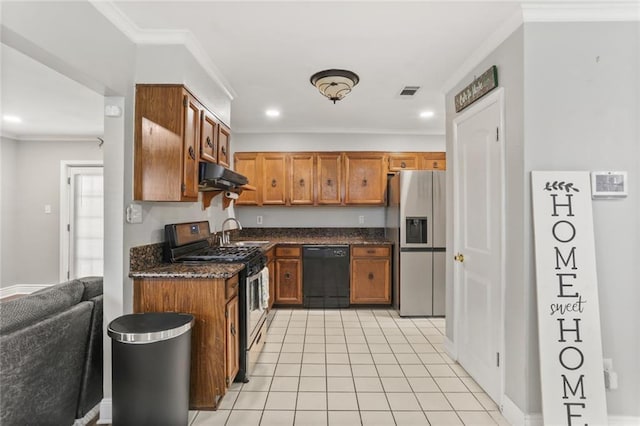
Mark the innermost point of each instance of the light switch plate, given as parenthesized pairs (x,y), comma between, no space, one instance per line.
(134,213)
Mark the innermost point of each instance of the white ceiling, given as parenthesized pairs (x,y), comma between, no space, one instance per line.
(267,51)
(49,104)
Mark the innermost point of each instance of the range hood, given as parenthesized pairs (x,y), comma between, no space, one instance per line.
(214,176)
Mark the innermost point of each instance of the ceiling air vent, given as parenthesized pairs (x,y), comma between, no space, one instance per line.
(409,90)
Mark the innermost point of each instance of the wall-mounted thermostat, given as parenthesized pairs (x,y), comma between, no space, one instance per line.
(608,184)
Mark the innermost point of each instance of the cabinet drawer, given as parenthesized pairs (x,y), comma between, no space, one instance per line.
(403,162)
(370,251)
(231,287)
(287,251)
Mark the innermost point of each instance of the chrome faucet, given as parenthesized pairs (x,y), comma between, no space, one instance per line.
(225,237)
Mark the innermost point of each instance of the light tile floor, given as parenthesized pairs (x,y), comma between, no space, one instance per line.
(353,367)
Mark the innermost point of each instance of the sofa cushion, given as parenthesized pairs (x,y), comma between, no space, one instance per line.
(91,387)
(92,287)
(27,310)
(41,369)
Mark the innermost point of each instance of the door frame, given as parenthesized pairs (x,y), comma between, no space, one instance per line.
(63,238)
(496,96)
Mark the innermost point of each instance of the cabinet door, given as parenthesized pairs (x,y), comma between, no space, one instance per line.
(273,178)
(209,138)
(433,161)
(366,178)
(233,340)
(247,164)
(302,178)
(190,146)
(370,281)
(288,281)
(329,178)
(224,144)
(403,161)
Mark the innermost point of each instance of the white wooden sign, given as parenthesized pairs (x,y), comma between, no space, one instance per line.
(573,391)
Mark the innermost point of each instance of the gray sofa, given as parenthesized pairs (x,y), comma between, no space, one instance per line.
(51,354)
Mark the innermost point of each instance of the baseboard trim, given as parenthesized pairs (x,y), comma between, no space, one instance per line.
(450,348)
(106,413)
(21,289)
(624,420)
(512,413)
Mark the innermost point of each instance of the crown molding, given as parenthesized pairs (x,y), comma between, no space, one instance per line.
(51,138)
(494,40)
(314,130)
(163,37)
(581,11)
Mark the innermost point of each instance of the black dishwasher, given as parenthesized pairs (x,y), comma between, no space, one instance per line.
(325,276)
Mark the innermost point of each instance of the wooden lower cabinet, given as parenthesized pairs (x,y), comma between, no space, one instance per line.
(370,275)
(233,340)
(288,273)
(214,337)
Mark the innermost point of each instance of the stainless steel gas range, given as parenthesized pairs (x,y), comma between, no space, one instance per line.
(188,243)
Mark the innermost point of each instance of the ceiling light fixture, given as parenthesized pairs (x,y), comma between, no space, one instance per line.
(272,113)
(334,84)
(12,119)
(427,114)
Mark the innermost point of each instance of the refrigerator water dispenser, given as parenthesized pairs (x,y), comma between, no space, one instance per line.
(416,229)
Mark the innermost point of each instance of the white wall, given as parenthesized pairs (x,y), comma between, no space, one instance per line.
(8,159)
(32,180)
(582,103)
(293,217)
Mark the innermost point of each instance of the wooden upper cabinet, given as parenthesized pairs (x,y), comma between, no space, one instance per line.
(209,138)
(274,175)
(302,182)
(224,139)
(167,128)
(191,144)
(173,133)
(329,178)
(247,164)
(433,161)
(365,178)
(403,161)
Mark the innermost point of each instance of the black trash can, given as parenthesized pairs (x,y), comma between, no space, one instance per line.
(151,358)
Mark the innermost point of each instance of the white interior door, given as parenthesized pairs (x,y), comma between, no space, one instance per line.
(478,236)
(85,224)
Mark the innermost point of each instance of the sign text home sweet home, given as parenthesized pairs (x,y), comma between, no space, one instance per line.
(568,316)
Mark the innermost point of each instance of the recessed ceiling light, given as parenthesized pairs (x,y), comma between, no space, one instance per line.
(272,113)
(427,114)
(12,118)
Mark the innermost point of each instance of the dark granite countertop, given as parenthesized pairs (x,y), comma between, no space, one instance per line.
(146,261)
(302,240)
(184,270)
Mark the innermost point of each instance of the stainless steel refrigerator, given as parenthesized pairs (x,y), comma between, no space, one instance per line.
(415,223)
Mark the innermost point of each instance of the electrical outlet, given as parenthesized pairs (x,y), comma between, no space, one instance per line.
(361,220)
(259,220)
(47,208)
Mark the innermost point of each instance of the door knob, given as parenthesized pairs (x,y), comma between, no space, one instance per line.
(459,257)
